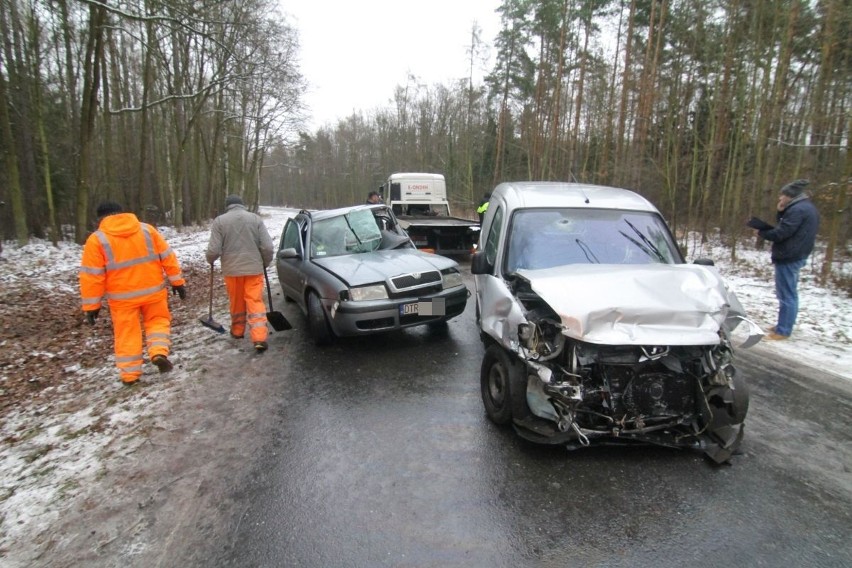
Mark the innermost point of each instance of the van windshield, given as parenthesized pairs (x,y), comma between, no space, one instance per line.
(544,238)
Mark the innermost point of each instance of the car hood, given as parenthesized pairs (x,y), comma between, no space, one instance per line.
(372,267)
(654,304)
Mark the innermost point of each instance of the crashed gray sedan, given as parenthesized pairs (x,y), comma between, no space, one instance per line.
(596,331)
(354,271)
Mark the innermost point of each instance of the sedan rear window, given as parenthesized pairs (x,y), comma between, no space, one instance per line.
(544,238)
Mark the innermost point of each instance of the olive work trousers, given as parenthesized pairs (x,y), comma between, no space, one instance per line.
(247,307)
(127,325)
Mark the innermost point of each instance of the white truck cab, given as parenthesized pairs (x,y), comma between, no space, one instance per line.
(417,194)
(419,201)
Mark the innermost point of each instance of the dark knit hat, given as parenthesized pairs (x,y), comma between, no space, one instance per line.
(233,200)
(108,208)
(795,188)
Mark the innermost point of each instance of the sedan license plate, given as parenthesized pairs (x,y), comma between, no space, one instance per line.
(430,308)
(409,309)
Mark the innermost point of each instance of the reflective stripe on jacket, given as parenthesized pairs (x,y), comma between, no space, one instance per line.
(124,261)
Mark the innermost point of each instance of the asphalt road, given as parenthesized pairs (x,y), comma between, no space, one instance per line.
(379,454)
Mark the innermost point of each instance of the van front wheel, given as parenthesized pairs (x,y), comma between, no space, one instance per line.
(503,385)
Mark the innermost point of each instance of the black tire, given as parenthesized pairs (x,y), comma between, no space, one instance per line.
(503,386)
(317,323)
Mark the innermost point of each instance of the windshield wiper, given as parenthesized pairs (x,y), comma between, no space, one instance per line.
(652,249)
(590,256)
(348,224)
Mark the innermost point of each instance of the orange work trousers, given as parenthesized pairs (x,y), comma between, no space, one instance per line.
(246,295)
(127,330)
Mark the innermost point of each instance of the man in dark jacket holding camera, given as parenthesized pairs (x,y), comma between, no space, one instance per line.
(792,242)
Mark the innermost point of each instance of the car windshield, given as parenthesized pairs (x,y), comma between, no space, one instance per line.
(352,233)
(544,238)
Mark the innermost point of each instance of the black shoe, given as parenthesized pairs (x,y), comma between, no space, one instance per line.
(131,383)
(261,346)
(162,362)
(237,336)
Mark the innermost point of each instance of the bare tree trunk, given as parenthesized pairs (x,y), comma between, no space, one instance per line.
(578,98)
(18,212)
(620,141)
(142,191)
(603,170)
(38,114)
(91,83)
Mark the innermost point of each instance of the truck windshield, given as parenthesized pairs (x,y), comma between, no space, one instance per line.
(353,233)
(544,238)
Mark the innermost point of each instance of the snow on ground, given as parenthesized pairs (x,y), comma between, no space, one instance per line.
(822,337)
(62,440)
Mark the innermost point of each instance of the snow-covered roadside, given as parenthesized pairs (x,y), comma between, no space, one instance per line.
(65,420)
(822,337)
(65,435)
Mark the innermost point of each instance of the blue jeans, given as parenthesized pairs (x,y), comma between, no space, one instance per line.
(786,290)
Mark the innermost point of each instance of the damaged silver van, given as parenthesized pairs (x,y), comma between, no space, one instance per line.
(597,331)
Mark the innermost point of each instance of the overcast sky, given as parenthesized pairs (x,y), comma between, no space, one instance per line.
(355,52)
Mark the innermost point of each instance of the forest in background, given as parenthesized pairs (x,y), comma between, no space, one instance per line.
(706,107)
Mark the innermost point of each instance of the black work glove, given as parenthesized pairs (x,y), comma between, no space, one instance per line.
(92,315)
(180,291)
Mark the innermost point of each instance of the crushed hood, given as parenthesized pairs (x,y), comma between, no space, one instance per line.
(654,304)
(372,267)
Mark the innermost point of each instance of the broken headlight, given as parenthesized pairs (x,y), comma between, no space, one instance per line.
(452,278)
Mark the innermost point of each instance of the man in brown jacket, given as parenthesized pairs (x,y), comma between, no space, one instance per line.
(241,240)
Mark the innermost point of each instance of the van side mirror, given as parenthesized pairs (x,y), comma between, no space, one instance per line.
(704,261)
(479,264)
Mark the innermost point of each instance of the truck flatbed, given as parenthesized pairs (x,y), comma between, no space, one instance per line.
(434,221)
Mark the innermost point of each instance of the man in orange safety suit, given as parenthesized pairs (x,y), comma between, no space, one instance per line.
(125,261)
(240,238)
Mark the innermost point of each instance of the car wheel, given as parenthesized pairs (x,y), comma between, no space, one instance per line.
(317,322)
(502,381)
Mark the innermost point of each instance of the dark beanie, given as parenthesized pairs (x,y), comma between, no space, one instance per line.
(108,208)
(795,188)
(233,200)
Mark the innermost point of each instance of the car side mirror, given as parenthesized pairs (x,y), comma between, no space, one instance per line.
(479,264)
(704,261)
(288,253)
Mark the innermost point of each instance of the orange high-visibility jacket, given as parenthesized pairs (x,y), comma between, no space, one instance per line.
(124,261)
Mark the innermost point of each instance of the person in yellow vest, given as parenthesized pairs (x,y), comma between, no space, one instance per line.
(127,262)
(483,207)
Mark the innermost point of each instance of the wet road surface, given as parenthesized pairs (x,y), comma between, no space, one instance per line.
(380,454)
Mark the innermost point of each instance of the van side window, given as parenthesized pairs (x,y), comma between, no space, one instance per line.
(493,237)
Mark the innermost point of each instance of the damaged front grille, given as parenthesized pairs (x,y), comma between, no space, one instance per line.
(657,394)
